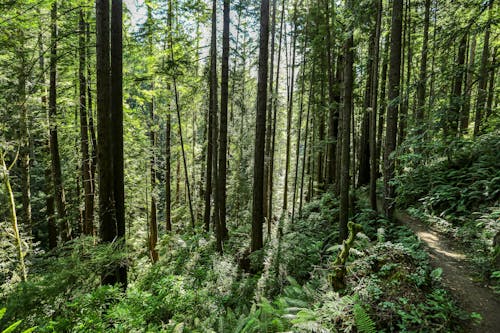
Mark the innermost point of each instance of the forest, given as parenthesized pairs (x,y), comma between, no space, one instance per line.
(249,166)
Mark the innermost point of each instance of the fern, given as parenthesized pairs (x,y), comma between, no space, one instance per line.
(363,321)
(12,327)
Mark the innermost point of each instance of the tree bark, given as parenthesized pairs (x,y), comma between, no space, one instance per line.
(346,128)
(88,220)
(275,111)
(222,232)
(491,85)
(260,130)
(269,121)
(393,105)
(383,101)
(364,147)
(24,139)
(483,76)
(465,113)
(289,116)
(59,195)
(179,123)
(453,114)
(422,81)
(374,104)
(333,114)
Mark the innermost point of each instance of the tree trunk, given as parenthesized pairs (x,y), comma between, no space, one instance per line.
(338,94)
(179,123)
(364,147)
(373,115)
(153,223)
(275,111)
(24,140)
(260,130)
(346,128)
(88,220)
(405,87)
(306,137)
(491,84)
(13,215)
(117,124)
(212,110)
(222,232)
(60,198)
(289,115)
(168,177)
(392,109)
(483,76)
(299,126)
(333,113)
(383,101)
(422,81)
(267,162)
(49,184)
(465,114)
(453,114)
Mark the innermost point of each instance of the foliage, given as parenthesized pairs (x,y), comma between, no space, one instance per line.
(459,196)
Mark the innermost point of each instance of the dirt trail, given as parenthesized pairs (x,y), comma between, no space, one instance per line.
(471,296)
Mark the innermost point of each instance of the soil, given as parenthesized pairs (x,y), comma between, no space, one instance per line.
(457,275)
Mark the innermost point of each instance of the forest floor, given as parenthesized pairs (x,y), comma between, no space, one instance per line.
(457,274)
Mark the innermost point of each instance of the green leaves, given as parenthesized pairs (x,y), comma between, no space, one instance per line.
(13,326)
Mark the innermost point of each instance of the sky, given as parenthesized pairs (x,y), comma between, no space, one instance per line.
(137,11)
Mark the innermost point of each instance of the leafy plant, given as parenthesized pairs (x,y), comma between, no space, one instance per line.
(12,327)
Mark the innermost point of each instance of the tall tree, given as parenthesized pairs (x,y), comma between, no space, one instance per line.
(374,106)
(88,220)
(59,195)
(275,112)
(465,113)
(49,184)
(333,108)
(107,219)
(212,111)
(364,148)
(346,125)
(24,133)
(168,177)
(224,91)
(153,223)
(290,113)
(483,75)
(422,80)
(393,105)
(117,128)
(452,116)
(260,130)
(179,122)
(269,122)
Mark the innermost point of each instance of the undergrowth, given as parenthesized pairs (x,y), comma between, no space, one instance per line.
(459,195)
(390,286)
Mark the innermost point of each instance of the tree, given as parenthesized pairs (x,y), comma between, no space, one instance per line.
(289,114)
(374,105)
(392,108)
(346,127)
(59,195)
(422,80)
(88,221)
(153,223)
(483,75)
(260,130)
(109,113)
(221,178)
(212,112)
